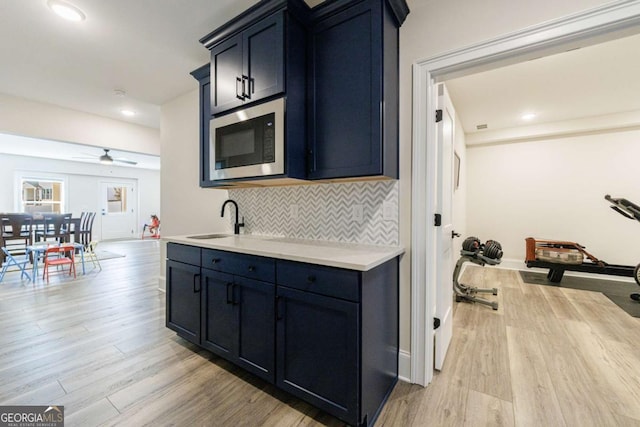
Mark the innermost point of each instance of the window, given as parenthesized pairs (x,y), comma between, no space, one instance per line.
(42,195)
(116,199)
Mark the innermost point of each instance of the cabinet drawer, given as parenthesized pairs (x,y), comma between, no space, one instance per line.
(329,281)
(183,253)
(251,266)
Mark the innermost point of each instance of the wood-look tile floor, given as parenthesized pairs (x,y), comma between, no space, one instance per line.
(98,346)
(547,357)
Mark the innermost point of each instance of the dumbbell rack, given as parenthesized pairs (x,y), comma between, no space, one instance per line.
(468,293)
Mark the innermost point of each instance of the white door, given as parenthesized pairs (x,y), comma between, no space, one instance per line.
(119,206)
(444,234)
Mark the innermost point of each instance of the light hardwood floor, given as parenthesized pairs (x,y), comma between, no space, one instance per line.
(98,346)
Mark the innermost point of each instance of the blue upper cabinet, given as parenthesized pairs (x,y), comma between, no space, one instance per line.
(226,67)
(336,67)
(249,66)
(353,90)
(257,55)
(263,60)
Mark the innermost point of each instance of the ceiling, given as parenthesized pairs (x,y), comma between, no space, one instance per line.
(592,81)
(34,147)
(145,47)
(148,47)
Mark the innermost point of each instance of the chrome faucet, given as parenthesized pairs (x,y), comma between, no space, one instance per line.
(236,225)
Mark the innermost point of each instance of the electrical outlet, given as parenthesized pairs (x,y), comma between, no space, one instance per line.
(389,212)
(357,213)
(293,211)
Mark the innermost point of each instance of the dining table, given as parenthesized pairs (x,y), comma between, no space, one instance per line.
(38,250)
(38,223)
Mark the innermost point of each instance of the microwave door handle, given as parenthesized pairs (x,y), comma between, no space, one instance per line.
(240,96)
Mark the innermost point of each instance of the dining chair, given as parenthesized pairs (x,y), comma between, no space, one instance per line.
(90,254)
(56,227)
(16,227)
(86,228)
(57,256)
(19,260)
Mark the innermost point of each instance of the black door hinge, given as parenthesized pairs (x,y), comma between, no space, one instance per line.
(437,220)
(436,323)
(438,116)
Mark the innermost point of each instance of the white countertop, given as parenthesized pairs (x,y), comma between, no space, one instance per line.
(343,255)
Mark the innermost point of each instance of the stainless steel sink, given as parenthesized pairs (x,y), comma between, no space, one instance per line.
(208,236)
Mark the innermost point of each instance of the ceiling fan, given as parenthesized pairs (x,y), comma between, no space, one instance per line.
(107,159)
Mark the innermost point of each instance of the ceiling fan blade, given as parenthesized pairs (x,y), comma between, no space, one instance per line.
(129,162)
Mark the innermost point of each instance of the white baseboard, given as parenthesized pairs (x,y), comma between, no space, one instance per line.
(404,366)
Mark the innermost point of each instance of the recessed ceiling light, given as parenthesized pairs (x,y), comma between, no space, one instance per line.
(128,113)
(66,10)
(528,116)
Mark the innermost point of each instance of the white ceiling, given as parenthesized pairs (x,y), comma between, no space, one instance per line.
(593,81)
(34,147)
(145,47)
(148,47)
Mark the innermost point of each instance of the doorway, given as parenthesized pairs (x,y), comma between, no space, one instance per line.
(594,26)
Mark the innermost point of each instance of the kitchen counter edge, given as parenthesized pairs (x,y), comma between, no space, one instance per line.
(352,256)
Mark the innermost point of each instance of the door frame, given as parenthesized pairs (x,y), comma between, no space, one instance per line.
(608,22)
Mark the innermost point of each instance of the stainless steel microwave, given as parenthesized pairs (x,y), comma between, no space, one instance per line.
(248,143)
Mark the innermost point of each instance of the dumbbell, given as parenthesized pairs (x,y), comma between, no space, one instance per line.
(471,244)
(492,249)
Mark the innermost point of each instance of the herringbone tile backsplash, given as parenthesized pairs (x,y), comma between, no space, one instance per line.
(325,211)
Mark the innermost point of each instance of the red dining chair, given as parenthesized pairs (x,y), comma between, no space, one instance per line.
(59,256)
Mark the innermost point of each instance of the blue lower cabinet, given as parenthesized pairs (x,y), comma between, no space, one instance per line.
(238,321)
(337,337)
(183,300)
(256,327)
(318,351)
(219,314)
(326,335)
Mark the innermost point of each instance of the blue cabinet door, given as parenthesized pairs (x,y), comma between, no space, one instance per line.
(345,71)
(238,321)
(248,66)
(255,303)
(263,48)
(226,75)
(183,300)
(219,315)
(318,351)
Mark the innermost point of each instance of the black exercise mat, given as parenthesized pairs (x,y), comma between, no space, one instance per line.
(618,292)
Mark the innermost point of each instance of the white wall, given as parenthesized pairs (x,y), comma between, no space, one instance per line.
(83,184)
(435,27)
(555,189)
(19,116)
(186,208)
